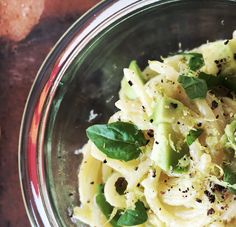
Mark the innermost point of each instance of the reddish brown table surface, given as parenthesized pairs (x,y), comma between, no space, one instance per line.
(19,63)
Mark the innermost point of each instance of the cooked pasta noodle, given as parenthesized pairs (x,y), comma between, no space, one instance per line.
(177,189)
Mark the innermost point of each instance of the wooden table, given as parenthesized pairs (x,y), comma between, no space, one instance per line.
(19,63)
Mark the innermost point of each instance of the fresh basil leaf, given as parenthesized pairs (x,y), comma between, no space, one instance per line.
(195,60)
(118,140)
(177,157)
(193,86)
(228,82)
(134,217)
(193,135)
(106,208)
(230,176)
(211,80)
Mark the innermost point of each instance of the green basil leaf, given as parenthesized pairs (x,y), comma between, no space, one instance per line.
(228,82)
(193,135)
(221,80)
(193,86)
(211,80)
(195,60)
(105,207)
(134,217)
(118,140)
(230,176)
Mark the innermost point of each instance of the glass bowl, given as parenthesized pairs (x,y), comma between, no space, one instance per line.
(80,80)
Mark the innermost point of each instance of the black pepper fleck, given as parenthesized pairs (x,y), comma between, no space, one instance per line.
(104,161)
(234,56)
(150,132)
(154,173)
(219,188)
(130,83)
(151,120)
(210,197)
(199,124)
(92,182)
(226,42)
(210,211)
(198,200)
(219,65)
(173,105)
(121,185)
(214,105)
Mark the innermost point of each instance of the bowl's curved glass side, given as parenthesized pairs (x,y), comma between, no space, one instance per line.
(31,159)
(92,81)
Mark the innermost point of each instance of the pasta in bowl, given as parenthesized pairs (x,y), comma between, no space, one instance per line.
(167,156)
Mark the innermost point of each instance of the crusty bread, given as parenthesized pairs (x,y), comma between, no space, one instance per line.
(18,17)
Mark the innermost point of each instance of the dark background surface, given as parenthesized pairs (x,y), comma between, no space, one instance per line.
(19,63)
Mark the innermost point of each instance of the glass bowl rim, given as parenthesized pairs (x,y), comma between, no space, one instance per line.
(30,152)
